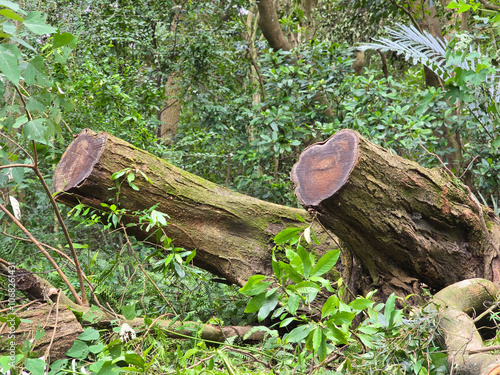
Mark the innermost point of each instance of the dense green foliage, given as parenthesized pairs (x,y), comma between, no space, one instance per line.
(247,111)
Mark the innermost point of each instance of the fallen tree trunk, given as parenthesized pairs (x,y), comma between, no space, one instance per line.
(232,233)
(404,223)
(458,305)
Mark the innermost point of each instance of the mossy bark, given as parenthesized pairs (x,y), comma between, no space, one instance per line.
(406,224)
(232,233)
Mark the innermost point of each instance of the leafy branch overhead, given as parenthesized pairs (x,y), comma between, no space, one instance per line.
(467,73)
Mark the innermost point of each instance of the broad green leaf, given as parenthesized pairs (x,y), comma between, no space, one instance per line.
(307,287)
(299,334)
(390,307)
(9,64)
(252,284)
(79,350)
(268,306)
(317,337)
(96,348)
(495,143)
(256,303)
(286,235)
(35,131)
(11,5)
(295,260)
(62,39)
(35,71)
(18,175)
(293,303)
(134,359)
(35,366)
(9,28)
(128,311)
(35,23)
(330,306)
(342,317)
(322,350)
(90,334)
(326,263)
(361,304)
(307,234)
(292,274)
(306,260)
(340,336)
(287,321)
(9,13)
(21,120)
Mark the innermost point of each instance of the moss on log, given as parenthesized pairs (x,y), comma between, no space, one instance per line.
(232,233)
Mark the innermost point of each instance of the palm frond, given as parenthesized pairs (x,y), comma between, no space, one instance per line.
(424,48)
(420,47)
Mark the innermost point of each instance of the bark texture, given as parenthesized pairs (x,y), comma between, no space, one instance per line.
(404,223)
(48,318)
(270,26)
(232,233)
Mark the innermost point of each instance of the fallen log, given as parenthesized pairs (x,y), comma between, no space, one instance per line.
(405,224)
(232,233)
(458,305)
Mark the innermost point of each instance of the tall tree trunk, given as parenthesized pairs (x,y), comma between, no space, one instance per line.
(270,26)
(170,114)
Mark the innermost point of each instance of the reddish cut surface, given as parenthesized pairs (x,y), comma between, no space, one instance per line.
(324,168)
(78,161)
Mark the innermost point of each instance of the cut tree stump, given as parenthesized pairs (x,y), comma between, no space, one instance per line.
(405,224)
(232,233)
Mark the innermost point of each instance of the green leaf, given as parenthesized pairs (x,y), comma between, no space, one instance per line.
(286,235)
(90,334)
(134,359)
(128,311)
(340,336)
(79,350)
(326,263)
(268,306)
(96,348)
(254,286)
(307,287)
(9,13)
(306,260)
(299,334)
(330,306)
(35,23)
(293,303)
(35,131)
(361,304)
(11,5)
(256,303)
(35,366)
(9,64)
(495,143)
(342,317)
(62,39)
(292,274)
(109,368)
(295,260)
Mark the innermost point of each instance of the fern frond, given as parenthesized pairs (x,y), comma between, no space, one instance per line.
(433,52)
(420,47)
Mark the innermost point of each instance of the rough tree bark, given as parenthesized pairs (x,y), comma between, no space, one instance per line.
(406,224)
(232,233)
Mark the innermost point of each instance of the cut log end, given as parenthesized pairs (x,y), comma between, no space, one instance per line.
(78,160)
(325,167)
